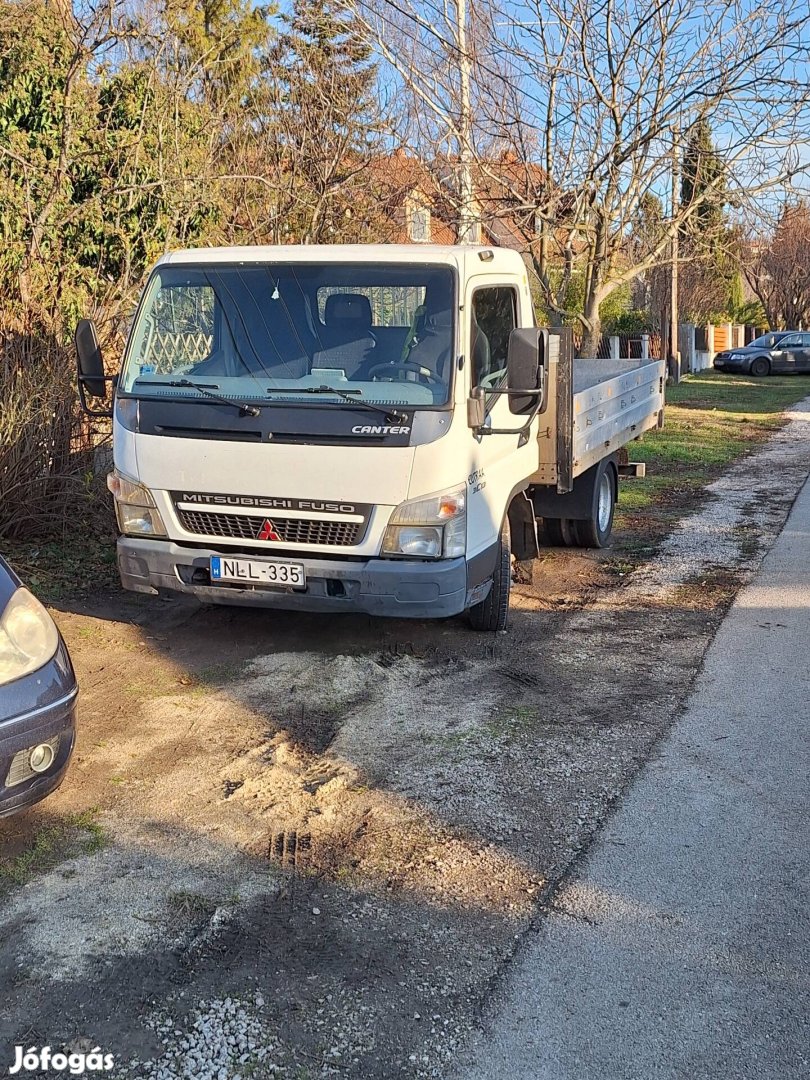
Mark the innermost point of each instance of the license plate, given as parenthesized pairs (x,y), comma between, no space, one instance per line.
(253,572)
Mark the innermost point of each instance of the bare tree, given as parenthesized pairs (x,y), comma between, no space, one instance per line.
(596,98)
(430,53)
(777,267)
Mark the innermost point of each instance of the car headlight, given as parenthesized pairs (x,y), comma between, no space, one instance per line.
(135,507)
(434,527)
(28,636)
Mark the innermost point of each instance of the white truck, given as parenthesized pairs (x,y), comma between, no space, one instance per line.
(356,428)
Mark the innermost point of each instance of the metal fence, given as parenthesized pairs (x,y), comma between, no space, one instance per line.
(622,346)
(169,351)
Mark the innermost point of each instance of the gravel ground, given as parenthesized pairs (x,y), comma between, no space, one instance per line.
(328,838)
(224,1040)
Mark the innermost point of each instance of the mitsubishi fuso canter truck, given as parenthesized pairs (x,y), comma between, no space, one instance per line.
(356,428)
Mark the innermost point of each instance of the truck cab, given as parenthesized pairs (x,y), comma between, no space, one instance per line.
(332,428)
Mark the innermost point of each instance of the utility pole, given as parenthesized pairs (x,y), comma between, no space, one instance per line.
(674,359)
(467,231)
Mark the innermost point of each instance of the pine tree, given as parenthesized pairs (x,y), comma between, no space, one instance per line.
(323,117)
(702,184)
(216,45)
(710,277)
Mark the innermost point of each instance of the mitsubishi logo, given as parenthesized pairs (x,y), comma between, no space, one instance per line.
(268,531)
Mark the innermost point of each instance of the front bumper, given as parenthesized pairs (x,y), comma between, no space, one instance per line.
(724,364)
(58,718)
(388,587)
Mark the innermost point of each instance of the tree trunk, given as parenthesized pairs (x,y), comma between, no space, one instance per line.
(591,323)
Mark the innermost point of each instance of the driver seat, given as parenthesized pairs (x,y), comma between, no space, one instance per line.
(434,346)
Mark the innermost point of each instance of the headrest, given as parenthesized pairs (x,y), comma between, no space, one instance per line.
(438,320)
(352,308)
(437,297)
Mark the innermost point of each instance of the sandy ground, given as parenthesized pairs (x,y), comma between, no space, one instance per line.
(326,838)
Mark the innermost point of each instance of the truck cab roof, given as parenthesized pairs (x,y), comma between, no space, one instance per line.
(495,259)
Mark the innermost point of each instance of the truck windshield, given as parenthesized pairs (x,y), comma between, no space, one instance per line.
(256,331)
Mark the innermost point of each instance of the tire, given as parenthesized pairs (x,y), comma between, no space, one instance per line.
(552,533)
(594,532)
(560,532)
(493,611)
(760,367)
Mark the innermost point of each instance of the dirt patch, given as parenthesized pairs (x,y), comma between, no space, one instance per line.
(715,589)
(327,836)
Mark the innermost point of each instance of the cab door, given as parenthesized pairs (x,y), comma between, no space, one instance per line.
(500,466)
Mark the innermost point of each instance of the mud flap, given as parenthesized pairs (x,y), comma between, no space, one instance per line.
(523,528)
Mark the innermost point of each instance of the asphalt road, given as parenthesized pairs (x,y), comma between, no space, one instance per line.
(680,946)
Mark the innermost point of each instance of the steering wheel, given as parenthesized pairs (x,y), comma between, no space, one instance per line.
(406,365)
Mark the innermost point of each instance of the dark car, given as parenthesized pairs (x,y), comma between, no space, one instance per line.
(37,698)
(779,352)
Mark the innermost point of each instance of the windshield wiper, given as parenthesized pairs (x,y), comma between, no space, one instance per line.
(392,415)
(205,389)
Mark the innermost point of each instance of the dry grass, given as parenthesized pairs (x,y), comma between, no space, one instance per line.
(46,445)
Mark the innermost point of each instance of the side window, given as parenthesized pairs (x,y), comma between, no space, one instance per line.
(494,317)
(182,329)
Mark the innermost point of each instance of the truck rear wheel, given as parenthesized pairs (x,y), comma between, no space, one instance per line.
(559,532)
(594,532)
(493,611)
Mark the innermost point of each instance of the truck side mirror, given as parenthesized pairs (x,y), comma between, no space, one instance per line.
(91,364)
(525,368)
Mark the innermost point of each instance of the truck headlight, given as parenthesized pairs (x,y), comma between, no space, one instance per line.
(434,527)
(135,507)
(28,636)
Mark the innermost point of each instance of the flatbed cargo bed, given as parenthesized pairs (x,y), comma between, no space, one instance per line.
(590,373)
(594,408)
(614,402)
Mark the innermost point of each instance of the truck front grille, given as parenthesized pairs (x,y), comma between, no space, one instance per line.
(288,530)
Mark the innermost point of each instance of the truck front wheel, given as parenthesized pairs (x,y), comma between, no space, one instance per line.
(594,532)
(493,611)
